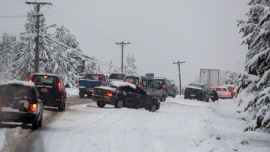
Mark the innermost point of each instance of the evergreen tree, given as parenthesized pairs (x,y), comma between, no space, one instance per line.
(256,33)
(6,50)
(130,67)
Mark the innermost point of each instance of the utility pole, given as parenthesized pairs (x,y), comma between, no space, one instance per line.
(38,5)
(122,45)
(179,64)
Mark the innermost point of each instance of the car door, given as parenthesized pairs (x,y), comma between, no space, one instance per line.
(158,91)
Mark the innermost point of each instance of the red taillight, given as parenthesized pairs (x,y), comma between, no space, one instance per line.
(110,93)
(101,84)
(31,79)
(140,85)
(164,86)
(58,99)
(93,91)
(187,89)
(33,107)
(59,85)
(78,85)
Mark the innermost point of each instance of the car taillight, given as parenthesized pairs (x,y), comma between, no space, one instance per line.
(187,89)
(58,99)
(93,91)
(59,85)
(200,91)
(101,84)
(31,79)
(33,107)
(78,85)
(109,93)
(140,84)
(164,86)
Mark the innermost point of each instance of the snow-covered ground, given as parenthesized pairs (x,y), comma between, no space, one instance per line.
(179,125)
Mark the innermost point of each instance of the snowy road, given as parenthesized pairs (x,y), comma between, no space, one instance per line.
(179,126)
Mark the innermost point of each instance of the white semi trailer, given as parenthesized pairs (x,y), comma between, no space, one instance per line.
(212,77)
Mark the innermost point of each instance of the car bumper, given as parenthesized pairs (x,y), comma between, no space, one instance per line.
(105,99)
(193,96)
(25,117)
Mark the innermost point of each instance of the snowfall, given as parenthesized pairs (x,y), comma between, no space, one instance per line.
(179,125)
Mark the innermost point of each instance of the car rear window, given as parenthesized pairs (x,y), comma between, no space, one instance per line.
(133,80)
(40,79)
(196,85)
(221,89)
(117,76)
(95,77)
(16,91)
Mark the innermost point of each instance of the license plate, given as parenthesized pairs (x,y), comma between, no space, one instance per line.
(11,116)
(44,90)
(192,95)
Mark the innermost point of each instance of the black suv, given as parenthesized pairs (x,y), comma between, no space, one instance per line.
(167,86)
(20,102)
(197,91)
(51,89)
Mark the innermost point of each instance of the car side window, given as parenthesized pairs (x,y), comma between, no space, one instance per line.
(150,83)
(144,82)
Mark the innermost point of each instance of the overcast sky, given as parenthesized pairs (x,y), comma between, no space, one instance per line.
(204,34)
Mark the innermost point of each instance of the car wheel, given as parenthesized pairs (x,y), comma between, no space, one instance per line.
(119,104)
(40,122)
(35,124)
(163,98)
(89,95)
(153,108)
(174,95)
(81,95)
(185,97)
(62,107)
(101,104)
(167,93)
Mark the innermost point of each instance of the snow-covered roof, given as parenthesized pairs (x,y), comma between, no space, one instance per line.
(49,74)
(25,83)
(119,84)
(106,88)
(193,87)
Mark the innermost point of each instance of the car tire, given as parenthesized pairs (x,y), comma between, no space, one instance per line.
(119,104)
(167,93)
(89,95)
(35,124)
(153,108)
(163,98)
(101,104)
(62,107)
(185,97)
(40,122)
(174,95)
(81,95)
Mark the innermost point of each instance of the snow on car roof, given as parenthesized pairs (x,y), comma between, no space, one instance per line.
(119,84)
(49,74)
(106,88)
(25,83)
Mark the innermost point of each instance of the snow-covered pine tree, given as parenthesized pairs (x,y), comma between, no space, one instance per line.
(6,50)
(254,87)
(130,67)
(91,66)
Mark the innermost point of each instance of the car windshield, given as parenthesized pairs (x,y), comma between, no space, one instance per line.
(45,79)
(117,76)
(95,77)
(16,91)
(133,80)
(196,85)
